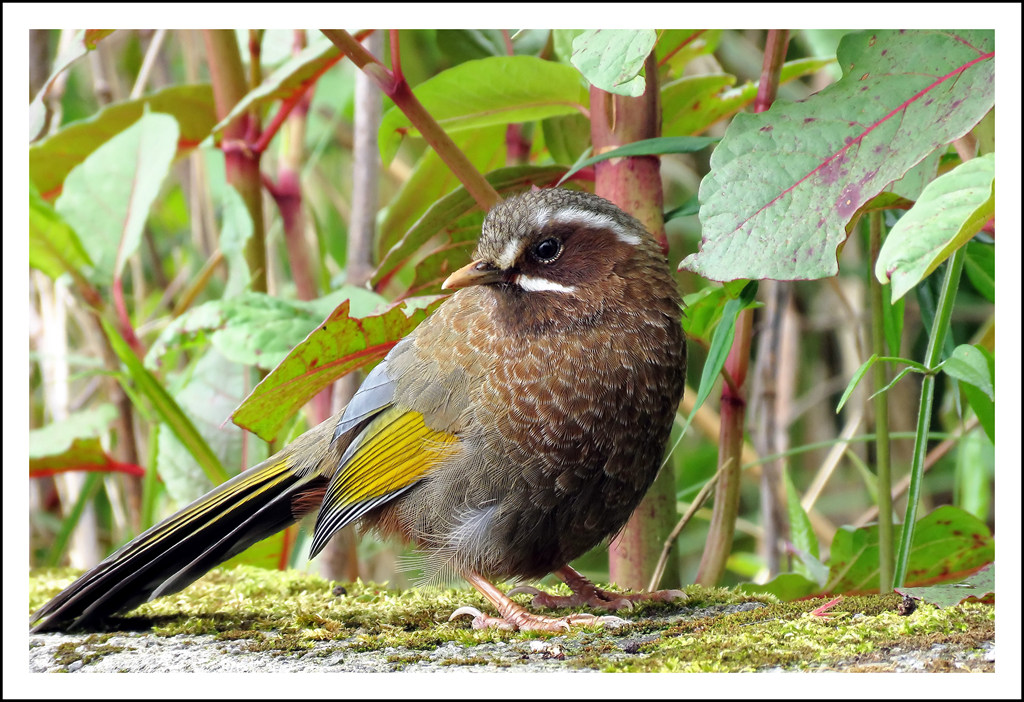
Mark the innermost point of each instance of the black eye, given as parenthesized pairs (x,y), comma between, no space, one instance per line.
(548,250)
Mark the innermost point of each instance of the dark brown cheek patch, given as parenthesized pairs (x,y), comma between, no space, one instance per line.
(588,256)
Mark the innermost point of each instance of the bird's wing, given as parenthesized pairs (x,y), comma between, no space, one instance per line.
(397,440)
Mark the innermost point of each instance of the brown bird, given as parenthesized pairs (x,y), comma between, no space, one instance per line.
(511,432)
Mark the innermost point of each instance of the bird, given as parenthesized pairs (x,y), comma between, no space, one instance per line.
(512,431)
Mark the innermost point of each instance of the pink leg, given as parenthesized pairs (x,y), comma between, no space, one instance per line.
(514,617)
(586,593)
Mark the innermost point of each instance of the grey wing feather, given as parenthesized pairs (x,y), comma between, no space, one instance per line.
(376,393)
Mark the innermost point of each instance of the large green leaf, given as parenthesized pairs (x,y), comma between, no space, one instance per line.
(106,198)
(496,90)
(341,344)
(50,161)
(256,329)
(950,210)
(947,542)
(613,59)
(785,183)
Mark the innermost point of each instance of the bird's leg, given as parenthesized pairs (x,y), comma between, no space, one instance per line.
(515,617)
(586,593)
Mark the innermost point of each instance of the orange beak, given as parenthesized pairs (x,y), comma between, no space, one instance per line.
(478,272)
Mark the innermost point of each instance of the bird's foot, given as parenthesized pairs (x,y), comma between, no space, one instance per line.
(519,619)
(586,594)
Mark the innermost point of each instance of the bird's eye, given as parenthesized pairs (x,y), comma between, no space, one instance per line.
(548,250)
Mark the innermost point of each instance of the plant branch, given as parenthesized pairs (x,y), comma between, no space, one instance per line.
(882,444)
(940,327)
(395,87)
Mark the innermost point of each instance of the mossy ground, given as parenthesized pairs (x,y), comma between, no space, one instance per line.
(714,629)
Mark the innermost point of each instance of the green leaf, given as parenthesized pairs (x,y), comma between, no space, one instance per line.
(431,180)
(974,366)
(256,329)
(53,246)
(84,42)
(50,161)
(497,90)
(800,530)
(647,147)
(289,81)
(980,266)
(165,406)
(785,183)
(974,477)
(975,586)
(106,198)
(787,587)
(969,365)
(235,231)
(721,342)
(892,322)
(855,380)
(72,444)
(691,104)
(950,211)
(567,137)
(677,47)
(613,59)
(687,209)
(209,390)
(947,542)
(341,344)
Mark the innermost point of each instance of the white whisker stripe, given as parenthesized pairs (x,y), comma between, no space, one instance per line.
(530,283)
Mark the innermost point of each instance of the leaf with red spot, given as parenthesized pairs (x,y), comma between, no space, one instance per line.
(980,585)
(948,543)
(785,183)
(340,345)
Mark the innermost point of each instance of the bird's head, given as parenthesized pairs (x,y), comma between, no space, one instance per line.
(568,252)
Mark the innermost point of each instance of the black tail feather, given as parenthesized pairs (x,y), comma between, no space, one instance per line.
(170,556)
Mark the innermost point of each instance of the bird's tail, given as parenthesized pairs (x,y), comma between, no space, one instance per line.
(173,554)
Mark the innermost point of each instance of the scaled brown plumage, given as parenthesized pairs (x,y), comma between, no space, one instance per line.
(511,432)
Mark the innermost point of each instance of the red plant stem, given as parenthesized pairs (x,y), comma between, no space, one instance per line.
(634,184)
(124,319)
(112,467)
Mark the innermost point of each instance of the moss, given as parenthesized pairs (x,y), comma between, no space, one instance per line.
(714,629)
(91,649)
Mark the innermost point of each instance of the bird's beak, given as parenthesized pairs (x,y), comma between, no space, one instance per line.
(478,272)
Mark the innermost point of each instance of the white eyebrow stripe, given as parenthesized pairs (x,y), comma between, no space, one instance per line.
(570,215)
(510,253)
(531,283)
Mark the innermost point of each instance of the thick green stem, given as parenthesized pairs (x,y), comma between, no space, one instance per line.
(940,326)
(880,377)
